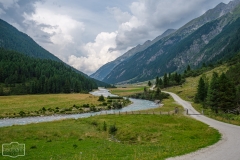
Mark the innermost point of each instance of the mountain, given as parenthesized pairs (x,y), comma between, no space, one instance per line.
(191,44)
(21,74)
(103,71)
(13,40)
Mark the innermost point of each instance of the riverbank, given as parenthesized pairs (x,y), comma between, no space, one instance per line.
(54,104)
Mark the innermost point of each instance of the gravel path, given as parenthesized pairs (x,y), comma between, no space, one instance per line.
(226,149)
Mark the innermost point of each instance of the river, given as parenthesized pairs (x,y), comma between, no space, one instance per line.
(135,106)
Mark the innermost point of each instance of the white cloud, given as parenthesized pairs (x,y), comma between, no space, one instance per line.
(61,28)
(87,36)
(120,17)
(97,53)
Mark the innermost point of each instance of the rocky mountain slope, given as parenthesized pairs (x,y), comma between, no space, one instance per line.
(191,44)
(103,71)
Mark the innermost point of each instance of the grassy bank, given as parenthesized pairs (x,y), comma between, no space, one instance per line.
(48,104)
(137,137)
(128,90)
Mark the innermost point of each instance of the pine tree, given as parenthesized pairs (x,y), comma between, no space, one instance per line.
(149,83)
(212,95)
(165,81)
(201,91)
(226,94)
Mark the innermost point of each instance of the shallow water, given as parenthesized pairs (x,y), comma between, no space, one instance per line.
(135,106)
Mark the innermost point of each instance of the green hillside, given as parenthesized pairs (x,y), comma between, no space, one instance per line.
(21,74)
(12,39)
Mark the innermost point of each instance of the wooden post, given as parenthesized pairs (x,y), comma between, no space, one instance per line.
(187,111)
(119,113)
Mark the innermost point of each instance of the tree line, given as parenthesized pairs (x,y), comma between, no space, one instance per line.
(222,93)
(168,80)
(20,74)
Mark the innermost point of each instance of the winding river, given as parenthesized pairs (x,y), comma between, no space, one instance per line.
(135,106)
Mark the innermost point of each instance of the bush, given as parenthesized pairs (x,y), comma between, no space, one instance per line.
(21,113)
(86,106)
(112,129)
(101,98)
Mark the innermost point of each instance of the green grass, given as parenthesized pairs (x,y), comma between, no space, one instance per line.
(139,137)
(30,103)
(127,91)
(188,90)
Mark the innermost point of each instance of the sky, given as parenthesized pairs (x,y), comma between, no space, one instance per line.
(87,34)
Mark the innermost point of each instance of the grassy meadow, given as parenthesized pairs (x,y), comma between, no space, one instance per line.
(137,137)
(127,90)
(12,105)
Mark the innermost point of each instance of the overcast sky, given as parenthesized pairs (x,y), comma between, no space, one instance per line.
(89,33)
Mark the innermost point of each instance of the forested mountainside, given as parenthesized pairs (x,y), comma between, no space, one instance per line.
(190,44)
(12,39)
(21,74)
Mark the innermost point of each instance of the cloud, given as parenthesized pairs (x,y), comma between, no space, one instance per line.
(87,36)
(97,53)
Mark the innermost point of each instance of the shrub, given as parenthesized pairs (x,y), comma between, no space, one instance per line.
(101,98)
(112,129)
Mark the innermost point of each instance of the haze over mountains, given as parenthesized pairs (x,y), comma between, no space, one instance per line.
(202,40)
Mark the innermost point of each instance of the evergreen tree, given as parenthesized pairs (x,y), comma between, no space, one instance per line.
(149,83)
(212,95)
(165,81)
(201,91)
(160,82)
(226,94)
